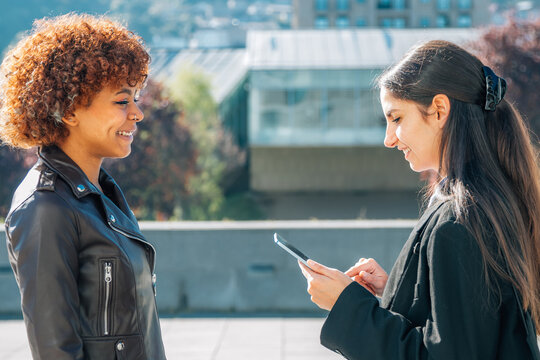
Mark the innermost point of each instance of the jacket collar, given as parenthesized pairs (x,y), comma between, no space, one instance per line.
(70,172)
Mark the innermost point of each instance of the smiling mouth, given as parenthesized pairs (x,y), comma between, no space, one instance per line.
(406,151)
(126,133)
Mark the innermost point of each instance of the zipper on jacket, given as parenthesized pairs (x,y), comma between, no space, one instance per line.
(147,244)
(108,277)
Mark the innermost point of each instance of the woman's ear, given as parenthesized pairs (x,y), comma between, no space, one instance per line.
(70,121)
(441,104)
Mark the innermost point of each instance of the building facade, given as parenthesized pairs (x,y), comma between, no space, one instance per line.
(343,14)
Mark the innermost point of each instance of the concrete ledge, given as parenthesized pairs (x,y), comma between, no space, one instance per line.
(224,267)
(258,225)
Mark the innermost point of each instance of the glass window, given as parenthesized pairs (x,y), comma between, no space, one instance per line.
(442,21)
(464,21)
(464,4)
(340,108)
(342,5)
(399,23)
(386,22)
(361,22)
(424,21)
(305,108)
(443,4)
(321,5)
(321,22)
(393,23)
(385,4)
(274,113)
(342,22)
(368,109)
(400,4)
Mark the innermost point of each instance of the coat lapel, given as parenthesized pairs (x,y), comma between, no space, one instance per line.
(398,271)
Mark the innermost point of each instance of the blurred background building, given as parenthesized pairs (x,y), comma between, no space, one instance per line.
(343,14)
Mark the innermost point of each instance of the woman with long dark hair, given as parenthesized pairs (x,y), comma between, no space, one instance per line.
(467,282)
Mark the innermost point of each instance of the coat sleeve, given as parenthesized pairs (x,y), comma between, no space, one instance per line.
(42,235)
(459,326)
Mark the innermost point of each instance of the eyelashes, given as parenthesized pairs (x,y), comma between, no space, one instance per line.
(396,120)
(125,102)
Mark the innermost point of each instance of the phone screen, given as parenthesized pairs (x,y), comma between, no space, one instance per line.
(279,240)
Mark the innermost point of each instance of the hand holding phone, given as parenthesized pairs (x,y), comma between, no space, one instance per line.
(281,242)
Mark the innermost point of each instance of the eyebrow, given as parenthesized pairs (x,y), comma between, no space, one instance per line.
(389,112)
(124,91)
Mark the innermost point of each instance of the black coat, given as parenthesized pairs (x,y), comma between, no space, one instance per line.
(83,267)
(435,304)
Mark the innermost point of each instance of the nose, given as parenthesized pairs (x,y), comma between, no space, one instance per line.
(137,114)
(390,138)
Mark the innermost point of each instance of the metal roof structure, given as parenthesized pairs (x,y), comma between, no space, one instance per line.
(299,49)
(225,67)
(340,49)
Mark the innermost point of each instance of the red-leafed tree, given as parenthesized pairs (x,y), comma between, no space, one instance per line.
(513,51)
(155,175)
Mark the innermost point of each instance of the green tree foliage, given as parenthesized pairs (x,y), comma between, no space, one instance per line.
(155,176)
(218,158)
(513,50)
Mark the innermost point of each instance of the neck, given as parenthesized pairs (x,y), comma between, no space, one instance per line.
(89,164)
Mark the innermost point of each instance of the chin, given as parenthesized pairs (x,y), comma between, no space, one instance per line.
(414,168)
(418,169)
(121,154)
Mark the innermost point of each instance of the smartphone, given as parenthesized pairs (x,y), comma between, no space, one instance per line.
(281,242)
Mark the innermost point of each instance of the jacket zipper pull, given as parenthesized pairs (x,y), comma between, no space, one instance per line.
(108,281)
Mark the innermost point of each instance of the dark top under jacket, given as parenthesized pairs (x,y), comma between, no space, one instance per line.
(435,304)
(83,267)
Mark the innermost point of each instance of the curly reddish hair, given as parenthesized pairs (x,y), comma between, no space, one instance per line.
(61,65)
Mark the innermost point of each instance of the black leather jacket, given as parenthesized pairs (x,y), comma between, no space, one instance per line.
(83,267)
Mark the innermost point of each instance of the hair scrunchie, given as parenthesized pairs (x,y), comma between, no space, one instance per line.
(495,89)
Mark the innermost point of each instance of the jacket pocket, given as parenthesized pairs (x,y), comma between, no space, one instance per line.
(114,348)
(107,285)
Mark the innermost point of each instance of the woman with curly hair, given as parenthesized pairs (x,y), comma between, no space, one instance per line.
(466,284)
(84,269)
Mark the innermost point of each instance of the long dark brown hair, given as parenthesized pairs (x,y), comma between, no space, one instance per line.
(491,167)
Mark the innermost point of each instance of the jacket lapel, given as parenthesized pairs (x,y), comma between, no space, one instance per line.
(402,261)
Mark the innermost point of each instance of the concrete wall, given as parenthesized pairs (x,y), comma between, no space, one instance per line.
(235,267)
(362,168)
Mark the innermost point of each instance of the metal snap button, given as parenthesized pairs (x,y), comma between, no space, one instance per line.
(81,188)
(120,346)
(112,218)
